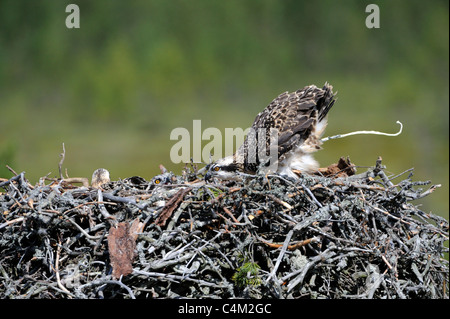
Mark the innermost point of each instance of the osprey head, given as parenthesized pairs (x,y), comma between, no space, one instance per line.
(224,168)
(100,177)
(162,179)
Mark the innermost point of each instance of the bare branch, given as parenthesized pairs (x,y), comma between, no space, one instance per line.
(363,132)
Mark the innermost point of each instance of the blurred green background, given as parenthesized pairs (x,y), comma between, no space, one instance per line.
(114,89)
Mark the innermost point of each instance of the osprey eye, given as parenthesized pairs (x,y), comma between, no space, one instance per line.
(157,181)
(217,168)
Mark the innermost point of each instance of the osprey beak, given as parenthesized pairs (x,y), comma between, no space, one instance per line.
(208,176)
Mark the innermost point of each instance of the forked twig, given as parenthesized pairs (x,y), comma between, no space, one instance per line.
(62,155)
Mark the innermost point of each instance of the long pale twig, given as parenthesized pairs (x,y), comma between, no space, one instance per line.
(325,139)
(58,279)
(280,256)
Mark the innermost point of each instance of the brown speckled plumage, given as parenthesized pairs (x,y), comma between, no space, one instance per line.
(294,115)
(299,118)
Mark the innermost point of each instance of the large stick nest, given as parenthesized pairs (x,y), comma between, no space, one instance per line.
(334,236)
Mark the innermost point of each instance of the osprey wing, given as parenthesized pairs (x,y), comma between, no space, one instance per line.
(295,116)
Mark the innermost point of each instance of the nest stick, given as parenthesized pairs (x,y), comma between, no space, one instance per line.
(364,132)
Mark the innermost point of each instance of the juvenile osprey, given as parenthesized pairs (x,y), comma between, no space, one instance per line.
(298,120)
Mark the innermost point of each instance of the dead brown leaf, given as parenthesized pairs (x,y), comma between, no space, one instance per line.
(122,245)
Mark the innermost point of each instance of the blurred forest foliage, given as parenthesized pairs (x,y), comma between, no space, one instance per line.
(114,89)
